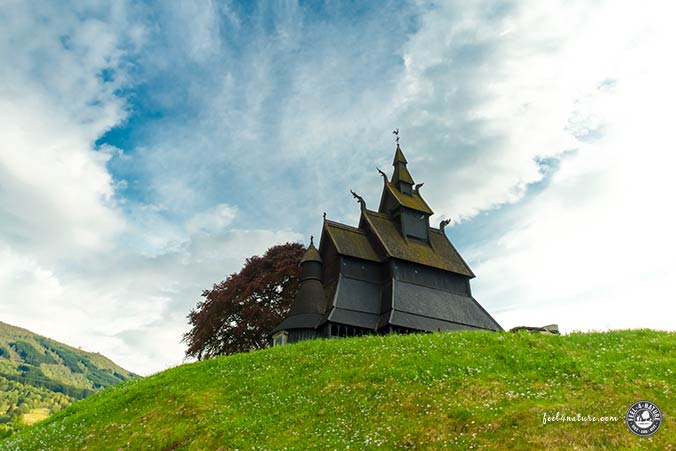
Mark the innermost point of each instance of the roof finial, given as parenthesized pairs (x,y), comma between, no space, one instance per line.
(396,132)
(384,175)
(312,242)
(443,224)
(360,199)
(324,215)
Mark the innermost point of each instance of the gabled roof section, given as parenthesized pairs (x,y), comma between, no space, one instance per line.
(350,241)
(414,202)
(441,254)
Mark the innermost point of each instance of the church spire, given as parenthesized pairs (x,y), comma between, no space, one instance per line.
(401,178)
(399,157)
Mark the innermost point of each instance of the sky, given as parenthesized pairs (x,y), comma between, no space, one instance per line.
(148,148)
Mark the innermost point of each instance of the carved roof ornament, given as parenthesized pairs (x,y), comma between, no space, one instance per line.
(324,216)
(384,175)
(416,189)
(443,224)
(360,199)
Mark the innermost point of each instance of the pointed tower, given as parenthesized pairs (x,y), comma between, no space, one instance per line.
(308,305)
(401,178)
(403,202)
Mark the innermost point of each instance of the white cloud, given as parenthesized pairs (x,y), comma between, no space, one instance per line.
(594,249)
(55,193)
(212,220)
(483,95)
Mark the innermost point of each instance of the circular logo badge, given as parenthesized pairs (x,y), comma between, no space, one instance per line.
(643,418)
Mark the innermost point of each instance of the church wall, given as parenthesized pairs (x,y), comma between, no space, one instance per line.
(410,321)
(331,266)
(296,335)
(359,286)
(361,269)
(359,295)
(386,297)
(430,277)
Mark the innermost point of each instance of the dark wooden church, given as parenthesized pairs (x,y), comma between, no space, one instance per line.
(393,273)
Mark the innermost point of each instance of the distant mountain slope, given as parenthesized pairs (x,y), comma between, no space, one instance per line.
(39,376)
(439,391)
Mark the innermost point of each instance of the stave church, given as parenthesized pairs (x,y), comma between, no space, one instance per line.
(392,273)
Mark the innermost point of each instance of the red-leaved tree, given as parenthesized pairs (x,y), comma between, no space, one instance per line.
(238,313)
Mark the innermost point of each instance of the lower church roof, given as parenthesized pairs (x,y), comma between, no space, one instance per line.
(300,321)
(351,241)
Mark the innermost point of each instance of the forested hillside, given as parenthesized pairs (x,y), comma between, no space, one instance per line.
(40,376)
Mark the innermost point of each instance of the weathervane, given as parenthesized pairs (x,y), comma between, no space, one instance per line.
(396,132)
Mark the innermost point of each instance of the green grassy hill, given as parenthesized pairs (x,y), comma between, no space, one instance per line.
(469,390)
(39,376)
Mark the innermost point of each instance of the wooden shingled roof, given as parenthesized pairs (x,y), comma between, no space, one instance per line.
(400,171)
(440,253)
(414,202)
(354,242)
(350,241)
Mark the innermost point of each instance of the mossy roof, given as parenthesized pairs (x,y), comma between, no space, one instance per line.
(350,241)
(399,156)
(414,202)
(311,254)
(440,253)
(401,174)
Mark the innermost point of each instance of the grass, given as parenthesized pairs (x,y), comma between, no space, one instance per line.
(462,390)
